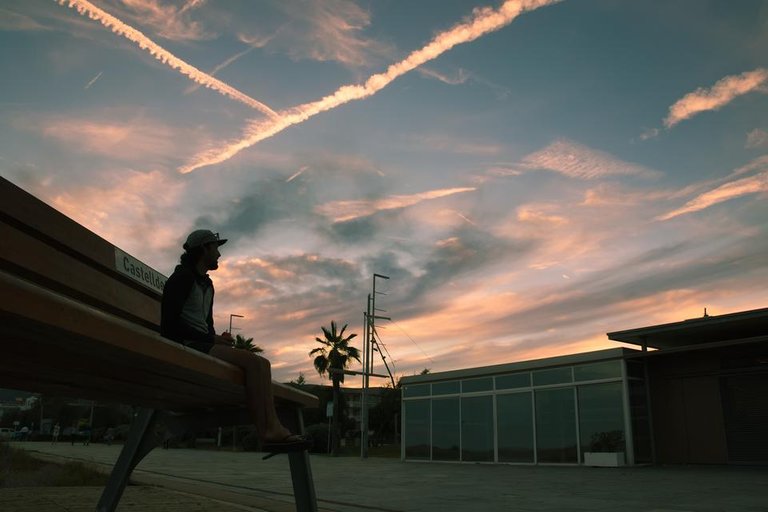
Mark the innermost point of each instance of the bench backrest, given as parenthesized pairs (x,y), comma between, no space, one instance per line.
(45,246)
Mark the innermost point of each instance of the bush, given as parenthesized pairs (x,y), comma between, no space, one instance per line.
(319,434)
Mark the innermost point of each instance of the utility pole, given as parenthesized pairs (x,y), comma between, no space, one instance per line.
(230,321)
(370,333)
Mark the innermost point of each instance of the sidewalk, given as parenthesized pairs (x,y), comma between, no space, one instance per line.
(354,485)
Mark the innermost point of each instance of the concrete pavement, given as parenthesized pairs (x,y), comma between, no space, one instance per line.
(384,485)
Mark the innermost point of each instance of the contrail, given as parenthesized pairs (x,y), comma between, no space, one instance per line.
(297,173)
(483,21)
(118,27)
(221,66)
(93,80)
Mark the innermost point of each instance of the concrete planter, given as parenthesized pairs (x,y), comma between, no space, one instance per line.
(604,459)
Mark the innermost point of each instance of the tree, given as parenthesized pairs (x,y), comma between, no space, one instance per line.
(332,358)
(385,416)
(300,380)
(246,343)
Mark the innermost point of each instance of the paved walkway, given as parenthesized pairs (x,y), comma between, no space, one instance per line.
(384,485)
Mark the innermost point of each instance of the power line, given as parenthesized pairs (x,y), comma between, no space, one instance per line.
(380,343)
(414,341)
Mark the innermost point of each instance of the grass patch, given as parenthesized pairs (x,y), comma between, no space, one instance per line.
(20,469)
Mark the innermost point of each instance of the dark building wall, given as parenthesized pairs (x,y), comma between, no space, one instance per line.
(688,420)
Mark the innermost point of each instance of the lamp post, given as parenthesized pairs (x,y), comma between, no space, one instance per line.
(230,321)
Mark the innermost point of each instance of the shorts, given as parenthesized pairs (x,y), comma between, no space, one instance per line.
(201,346)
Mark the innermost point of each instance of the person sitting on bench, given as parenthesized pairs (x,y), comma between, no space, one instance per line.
(187,318)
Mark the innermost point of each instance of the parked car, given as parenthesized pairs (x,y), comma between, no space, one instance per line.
(6,433)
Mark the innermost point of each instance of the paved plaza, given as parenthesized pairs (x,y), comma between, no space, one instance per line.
(243,481)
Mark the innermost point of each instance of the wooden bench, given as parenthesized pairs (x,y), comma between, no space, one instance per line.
(79,317)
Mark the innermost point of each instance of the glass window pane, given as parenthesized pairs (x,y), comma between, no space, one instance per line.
(516,380)
(445,388)
(470,386)
(641,421)
(556,425)
(477,428)
(415,390)
(416,429)
(595,371)
(515,427)
(445,429)
(552,376)
(601,418)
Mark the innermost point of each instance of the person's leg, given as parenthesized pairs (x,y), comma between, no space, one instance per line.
(258,389)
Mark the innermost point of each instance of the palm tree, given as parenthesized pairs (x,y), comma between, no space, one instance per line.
(332,358)
(246,343)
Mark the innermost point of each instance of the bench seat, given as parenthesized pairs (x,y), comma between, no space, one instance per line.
(92,354)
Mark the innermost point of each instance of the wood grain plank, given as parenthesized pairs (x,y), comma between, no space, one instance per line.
(54,269)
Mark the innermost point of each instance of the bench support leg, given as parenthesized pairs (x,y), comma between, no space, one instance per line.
(301,471)
(141,440)
(303,485)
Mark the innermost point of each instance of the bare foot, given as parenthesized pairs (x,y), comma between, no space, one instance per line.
(278,435)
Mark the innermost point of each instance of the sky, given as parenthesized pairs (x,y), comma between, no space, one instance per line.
(530,174)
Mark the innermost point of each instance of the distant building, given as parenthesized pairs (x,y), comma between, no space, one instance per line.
(354,398)
(700,397)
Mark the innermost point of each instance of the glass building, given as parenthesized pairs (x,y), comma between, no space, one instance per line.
(694,392)
(560,410)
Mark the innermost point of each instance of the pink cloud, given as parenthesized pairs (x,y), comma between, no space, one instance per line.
(578,161)
(722,93)
(341,211)
(137,211)
(751,185)
(167,20)
(757,138)
(123,140)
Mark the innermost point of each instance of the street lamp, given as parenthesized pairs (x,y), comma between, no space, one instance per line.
(230,321)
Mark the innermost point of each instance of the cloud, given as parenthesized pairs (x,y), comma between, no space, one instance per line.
(757,138)
(137,211)
(167,20)
(341,211)
(10,20)
(751,185)
(451,144)
(540,215)
(649,133)
(158,52)
(463,76)
(327,31)
(723,92)
(221,66)
(460,78)
(126,139)
(483,21)
(577,161)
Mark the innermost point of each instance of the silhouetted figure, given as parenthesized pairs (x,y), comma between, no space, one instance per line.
(187,318)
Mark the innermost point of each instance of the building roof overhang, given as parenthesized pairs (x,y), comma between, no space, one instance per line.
(708,329)
(533,364)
